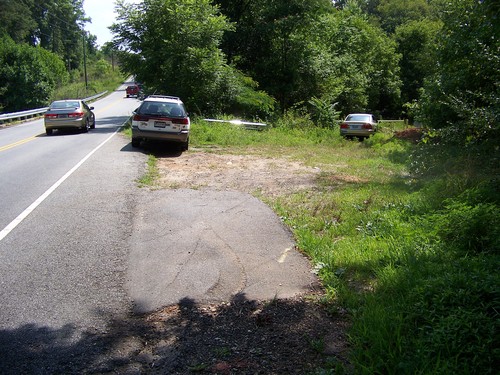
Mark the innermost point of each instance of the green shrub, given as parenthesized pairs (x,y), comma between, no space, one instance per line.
(469,228)
(323,112)
(295,118)
(411,257)
(453,314)
(28,74)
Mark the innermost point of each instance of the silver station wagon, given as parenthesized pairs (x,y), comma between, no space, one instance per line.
(161,118)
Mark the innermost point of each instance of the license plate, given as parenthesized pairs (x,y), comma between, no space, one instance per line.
(62,116)
(354,126)
(160,124)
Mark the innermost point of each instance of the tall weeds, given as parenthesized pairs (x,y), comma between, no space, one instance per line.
(405,239)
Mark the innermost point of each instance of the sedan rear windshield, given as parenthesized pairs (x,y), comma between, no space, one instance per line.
(162,109)
(360,118)
(64,105)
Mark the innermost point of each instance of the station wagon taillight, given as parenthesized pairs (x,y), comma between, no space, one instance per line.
(182,121)
(140,118)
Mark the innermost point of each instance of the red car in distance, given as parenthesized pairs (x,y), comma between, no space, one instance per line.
(132,90)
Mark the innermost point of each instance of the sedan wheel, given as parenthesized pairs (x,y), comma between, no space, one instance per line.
(86,127)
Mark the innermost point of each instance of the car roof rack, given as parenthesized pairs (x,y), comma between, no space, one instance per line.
(164,97)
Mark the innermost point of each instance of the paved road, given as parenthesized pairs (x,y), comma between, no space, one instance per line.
(96,248)
(208,246)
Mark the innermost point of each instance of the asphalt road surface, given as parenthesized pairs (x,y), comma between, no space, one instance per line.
(82,246)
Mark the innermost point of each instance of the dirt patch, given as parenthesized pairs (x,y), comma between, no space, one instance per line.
(249,337)
(413,135)
(290,336)
(246,173)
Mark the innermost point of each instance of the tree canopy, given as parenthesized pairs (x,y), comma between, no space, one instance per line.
(173,47)
(213,52)
(262,58)
(463,95)
(42,44)
(55,25)
(28,75)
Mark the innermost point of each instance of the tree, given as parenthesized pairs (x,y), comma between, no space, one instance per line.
(173,47)
(109,52)
(416,43)
(270,43)
(28,75)
(314,52)
(56,25)
(60,28)
(465,91)
(16,20)
(393,13)
(355,63)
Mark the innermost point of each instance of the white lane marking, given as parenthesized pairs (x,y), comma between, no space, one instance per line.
(14,223)
(284,254)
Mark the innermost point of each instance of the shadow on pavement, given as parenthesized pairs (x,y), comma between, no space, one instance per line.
(158,149)
(245,337)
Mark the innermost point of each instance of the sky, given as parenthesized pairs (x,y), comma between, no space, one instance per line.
(103,15)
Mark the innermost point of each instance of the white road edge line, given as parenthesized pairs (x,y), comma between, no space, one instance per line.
(14,223)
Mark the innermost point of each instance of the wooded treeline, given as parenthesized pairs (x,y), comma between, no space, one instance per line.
(431,59)
(42,44)
(434,60)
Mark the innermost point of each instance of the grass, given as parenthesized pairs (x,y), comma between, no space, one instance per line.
(152,173)
(77,88)
(411,253)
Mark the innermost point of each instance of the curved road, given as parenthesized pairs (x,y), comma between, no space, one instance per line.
(82,246)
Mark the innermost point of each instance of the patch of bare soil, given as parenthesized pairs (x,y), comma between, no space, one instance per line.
(246,173)
(292,336)
(413,135)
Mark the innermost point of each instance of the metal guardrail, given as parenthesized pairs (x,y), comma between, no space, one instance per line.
(22,115)
(33,112)
(395,121)
(246,124)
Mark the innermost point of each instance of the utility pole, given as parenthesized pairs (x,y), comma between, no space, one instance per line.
(85,61)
